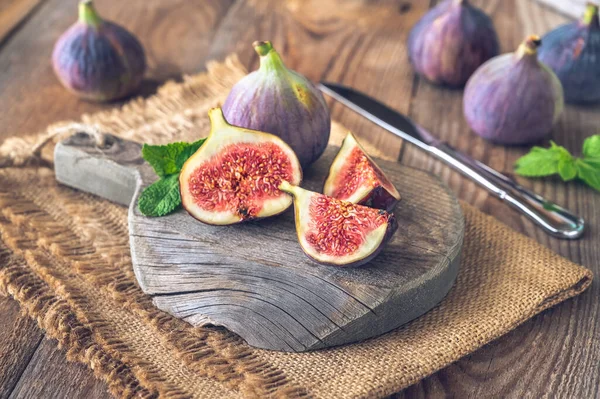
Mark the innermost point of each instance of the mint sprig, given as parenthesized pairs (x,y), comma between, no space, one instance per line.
(541,162)
(162,197)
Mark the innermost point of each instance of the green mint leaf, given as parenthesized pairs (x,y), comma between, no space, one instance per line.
(591,147)
(567,169)
(168,159)
(161,197)
(561,152)
(588,173)
(538,162)
(187,152)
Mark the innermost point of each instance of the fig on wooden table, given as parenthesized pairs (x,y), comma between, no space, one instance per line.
(572,51)
(234,176)
(355,177)
(451,41)
(339,233)
(98,60)
(277,100)
(514,98)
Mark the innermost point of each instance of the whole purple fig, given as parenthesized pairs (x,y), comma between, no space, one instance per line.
(514,98)
(572,51)
(98,60)
(451,41)
(282,102)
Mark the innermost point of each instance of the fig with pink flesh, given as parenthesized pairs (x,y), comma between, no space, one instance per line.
(234,176)
(97,59)
(277,100)
(355,177)
(339,233)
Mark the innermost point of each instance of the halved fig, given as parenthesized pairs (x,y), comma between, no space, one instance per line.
(234,176)
(339,233)
(354,177)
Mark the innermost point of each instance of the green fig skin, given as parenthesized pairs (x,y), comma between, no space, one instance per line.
(282,102)
(514,98)
(98,60)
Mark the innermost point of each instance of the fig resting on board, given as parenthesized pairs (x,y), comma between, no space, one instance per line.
(338,233)
(98,60)
(234,176)
(277,100)
(355,177)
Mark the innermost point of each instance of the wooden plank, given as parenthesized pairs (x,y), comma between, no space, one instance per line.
(359,43)
(254,279)
(175,34)
(49,375)
(12,13)
(571,8)
(557,353)
(19,339)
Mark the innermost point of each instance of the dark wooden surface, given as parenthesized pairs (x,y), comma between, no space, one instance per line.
(359,43)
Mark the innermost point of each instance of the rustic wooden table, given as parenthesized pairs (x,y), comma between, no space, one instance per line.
(360,43)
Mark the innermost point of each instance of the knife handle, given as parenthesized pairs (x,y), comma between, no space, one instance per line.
(553,218)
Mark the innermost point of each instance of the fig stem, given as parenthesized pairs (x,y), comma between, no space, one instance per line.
(217,119)
(590,15)
(287,187)
(88,14)
(529,46)
(270,60)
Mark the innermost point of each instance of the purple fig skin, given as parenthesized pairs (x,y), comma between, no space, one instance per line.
(282,102)
(572,51)
(513,98)
(98,60)
(451,41)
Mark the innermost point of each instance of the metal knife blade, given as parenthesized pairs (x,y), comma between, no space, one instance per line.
(554,219)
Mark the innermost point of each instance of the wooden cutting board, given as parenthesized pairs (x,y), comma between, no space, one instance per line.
(254,279)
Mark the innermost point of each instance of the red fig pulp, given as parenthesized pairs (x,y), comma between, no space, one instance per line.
(339,233)
(572,51)
(514,98)
(98,60)
(235,175)
(451,41)
(356,178)
(282,102)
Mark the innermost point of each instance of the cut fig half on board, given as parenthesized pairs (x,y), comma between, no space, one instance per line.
(234,176)
(355,177)
(339,233)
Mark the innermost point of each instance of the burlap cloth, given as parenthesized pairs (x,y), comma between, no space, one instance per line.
(64,256)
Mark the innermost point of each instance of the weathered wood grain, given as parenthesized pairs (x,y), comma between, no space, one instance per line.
(19,339)
(254,279)
(547,355)
(12,13)
(330,48)
(48,375)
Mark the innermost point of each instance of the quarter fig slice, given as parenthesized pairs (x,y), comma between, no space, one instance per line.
(355,177)
(339,233)
(234,176)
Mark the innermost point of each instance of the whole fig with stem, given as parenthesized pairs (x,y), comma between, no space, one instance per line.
(277,100)
(514,98)
(572,51)
(451,41)
(98,60)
